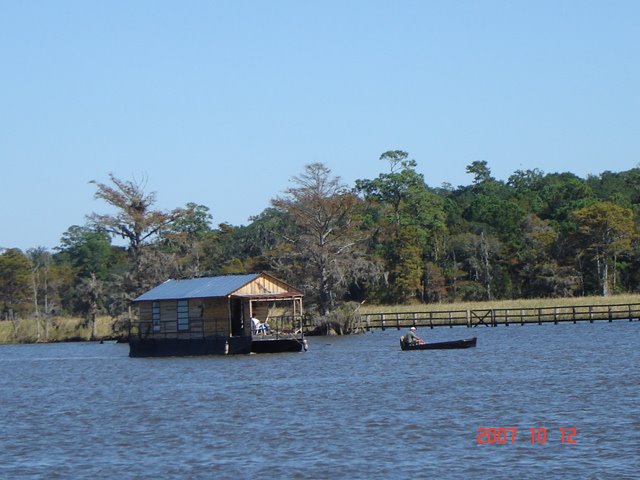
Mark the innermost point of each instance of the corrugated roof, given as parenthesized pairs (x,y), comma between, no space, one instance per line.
(198,287)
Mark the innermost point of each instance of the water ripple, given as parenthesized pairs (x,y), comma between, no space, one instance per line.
(352,407)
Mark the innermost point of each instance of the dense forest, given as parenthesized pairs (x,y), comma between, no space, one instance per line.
(391,239)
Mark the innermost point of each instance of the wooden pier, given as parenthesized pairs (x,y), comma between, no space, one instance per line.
(498,316)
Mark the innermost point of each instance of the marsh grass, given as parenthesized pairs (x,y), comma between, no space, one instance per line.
(61,329)
(503,304)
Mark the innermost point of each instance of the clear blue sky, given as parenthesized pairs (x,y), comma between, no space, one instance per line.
(222,102)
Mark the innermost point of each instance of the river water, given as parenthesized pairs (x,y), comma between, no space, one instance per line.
(350,407)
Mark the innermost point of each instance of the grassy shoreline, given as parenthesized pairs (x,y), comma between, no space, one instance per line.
(66,329)
(60,329)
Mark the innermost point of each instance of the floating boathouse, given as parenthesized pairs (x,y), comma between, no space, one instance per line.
(213,316)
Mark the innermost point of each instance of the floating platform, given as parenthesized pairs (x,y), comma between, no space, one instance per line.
(184,347)
(215,345)
(269,344)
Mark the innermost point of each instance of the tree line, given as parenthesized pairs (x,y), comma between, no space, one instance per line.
(391,239)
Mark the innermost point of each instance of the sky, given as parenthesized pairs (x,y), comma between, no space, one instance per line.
(221,102)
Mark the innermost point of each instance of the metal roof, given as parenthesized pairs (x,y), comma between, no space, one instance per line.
(198,287)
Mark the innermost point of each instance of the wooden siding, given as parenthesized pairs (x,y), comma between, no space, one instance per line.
(263,285)
(208,316)
(144,311)
(216,316)
(196,311)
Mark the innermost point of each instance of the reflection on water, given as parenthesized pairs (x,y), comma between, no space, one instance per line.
(350,407)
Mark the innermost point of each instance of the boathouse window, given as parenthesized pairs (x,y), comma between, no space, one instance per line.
(155,316)
(183,315)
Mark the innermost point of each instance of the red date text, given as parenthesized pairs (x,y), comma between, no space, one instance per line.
(503,435)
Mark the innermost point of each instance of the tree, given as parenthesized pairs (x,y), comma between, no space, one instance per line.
(392,188)
(605,231)
(90,293)
(324,250)
(525,186)
(135,221)
(88,250)
(408,223)
(621,188)
(561,194)
(253,246)
(186,236)
(480,171)
(408,267)
(15,283)
(195,222)
(471,258)
(434,288)
(40,265)
(538,272)
(95,264)
(139,224)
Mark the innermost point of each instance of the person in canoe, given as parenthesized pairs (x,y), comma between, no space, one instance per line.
(412,339)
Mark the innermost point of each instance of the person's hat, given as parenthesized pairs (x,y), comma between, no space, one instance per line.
(413,328)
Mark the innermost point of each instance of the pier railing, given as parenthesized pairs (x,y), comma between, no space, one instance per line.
(498,316)
(288,325)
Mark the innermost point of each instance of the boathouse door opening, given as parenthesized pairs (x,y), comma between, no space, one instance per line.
(237,324)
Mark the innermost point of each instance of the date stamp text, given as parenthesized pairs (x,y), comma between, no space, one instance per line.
(540,435)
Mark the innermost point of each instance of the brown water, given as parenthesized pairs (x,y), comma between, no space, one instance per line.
(351,407)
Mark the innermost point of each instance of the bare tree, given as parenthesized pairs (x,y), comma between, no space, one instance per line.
(40,263)
(323,252)
(135,221)
(90,290)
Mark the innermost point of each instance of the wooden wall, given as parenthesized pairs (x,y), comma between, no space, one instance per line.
(216,316)
(144,311)
(208,316)
(264,285)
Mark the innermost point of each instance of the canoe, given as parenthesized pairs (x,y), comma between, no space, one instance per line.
(469,342)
